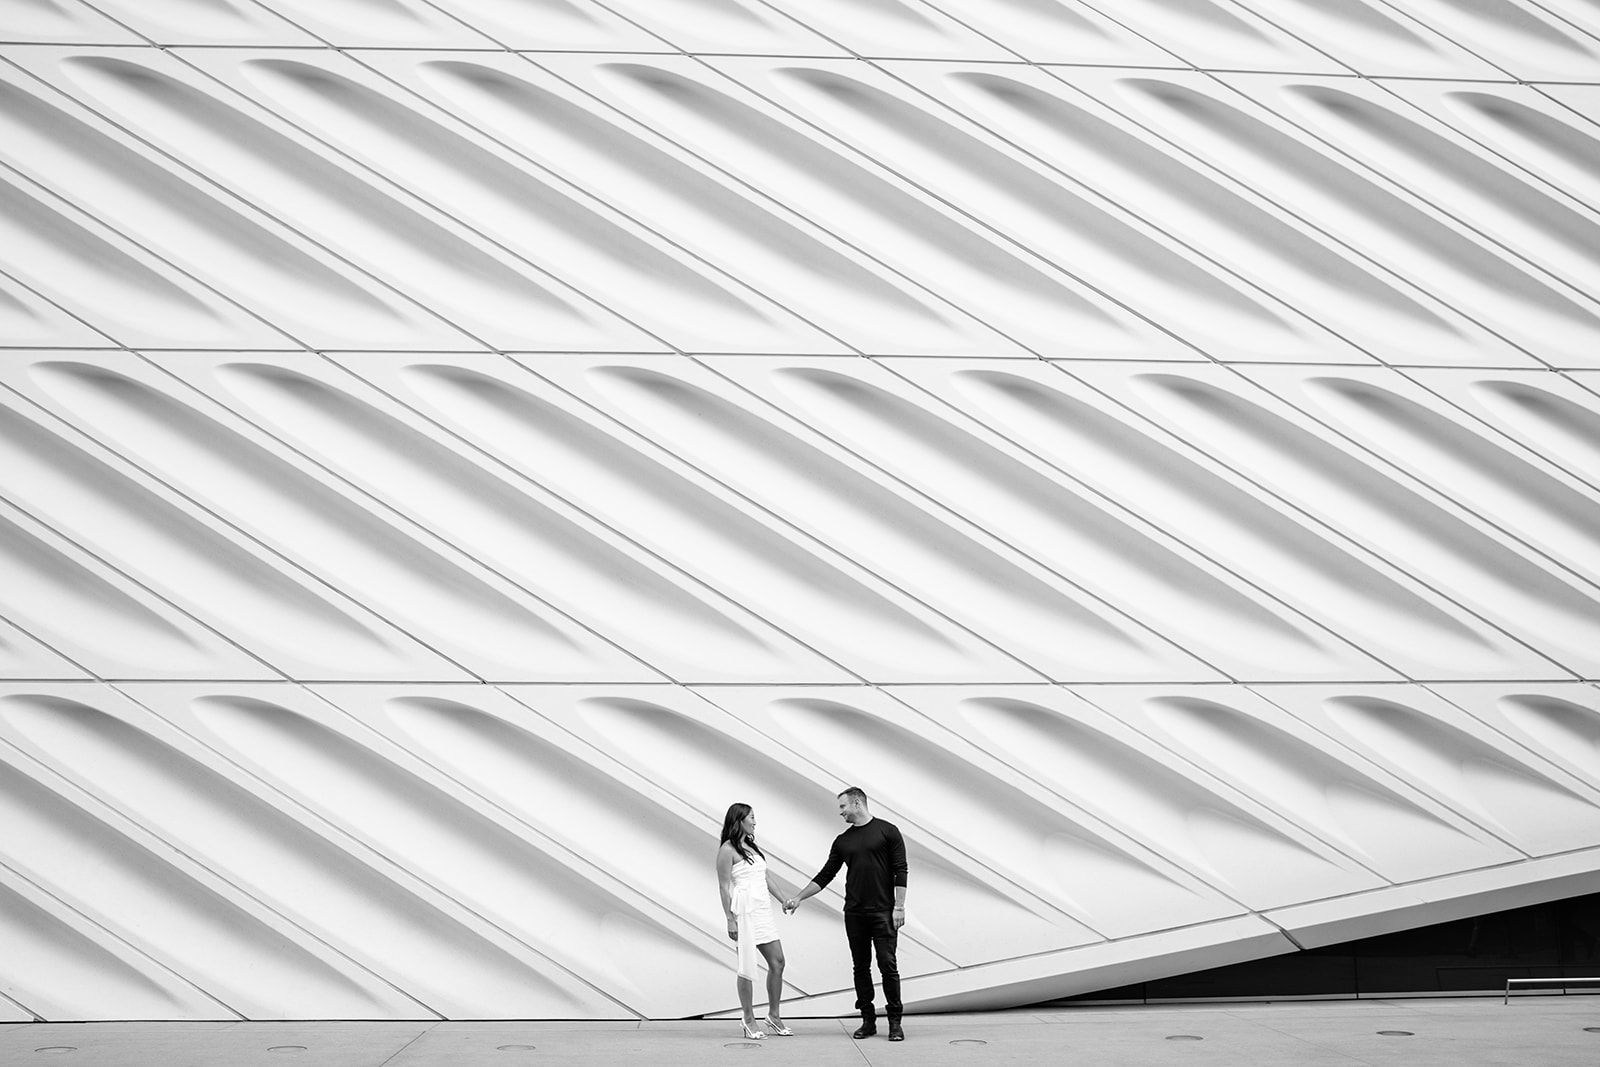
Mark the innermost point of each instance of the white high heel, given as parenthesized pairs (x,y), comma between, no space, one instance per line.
(778,1028)
(751,1032)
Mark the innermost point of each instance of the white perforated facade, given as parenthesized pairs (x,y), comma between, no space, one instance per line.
(452,449)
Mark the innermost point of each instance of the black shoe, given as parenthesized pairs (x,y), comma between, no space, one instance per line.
(895,1033)
(866,1029)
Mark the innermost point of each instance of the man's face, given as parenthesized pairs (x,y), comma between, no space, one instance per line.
(847,810)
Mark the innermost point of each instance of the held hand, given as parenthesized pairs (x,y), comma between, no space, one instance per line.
(899,918)
(790,905)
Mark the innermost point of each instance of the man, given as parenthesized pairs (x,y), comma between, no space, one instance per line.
(874,854)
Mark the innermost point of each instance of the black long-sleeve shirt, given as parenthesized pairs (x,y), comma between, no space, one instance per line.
(875,857)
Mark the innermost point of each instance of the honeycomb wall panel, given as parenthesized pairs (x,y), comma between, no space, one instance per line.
(450,450)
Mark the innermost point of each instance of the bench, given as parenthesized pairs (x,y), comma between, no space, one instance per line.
(1545,981)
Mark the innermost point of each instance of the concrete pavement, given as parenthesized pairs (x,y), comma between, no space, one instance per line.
(1534,1031)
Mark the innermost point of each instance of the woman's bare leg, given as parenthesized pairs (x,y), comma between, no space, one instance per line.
(773,951)
(746,1000)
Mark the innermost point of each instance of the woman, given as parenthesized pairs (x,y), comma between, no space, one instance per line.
(747,902)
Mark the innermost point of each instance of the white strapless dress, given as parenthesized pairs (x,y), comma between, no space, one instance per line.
(753,906)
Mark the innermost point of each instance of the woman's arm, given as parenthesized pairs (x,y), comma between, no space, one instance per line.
(725,887)
(776,887)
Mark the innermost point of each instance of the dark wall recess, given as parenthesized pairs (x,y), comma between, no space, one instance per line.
(1559,939)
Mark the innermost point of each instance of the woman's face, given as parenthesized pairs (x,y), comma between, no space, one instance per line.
(750,823)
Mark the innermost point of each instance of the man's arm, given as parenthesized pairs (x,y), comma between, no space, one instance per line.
(898,870)
(811,890)
(824,876)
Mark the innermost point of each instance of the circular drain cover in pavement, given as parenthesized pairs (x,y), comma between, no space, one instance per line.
(742,1044)
(1184,1037)
(56,1049)
(969,1041)
(515,1048)
(1394,1033)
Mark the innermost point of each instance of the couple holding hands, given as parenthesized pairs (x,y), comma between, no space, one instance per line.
(874,855)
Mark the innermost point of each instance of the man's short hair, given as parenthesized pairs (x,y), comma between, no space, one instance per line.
(854,792)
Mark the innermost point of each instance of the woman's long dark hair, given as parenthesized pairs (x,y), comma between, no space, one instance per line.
(733,831)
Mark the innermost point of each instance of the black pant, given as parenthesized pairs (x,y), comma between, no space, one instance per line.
(868,931)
